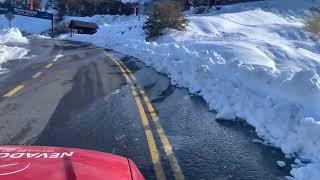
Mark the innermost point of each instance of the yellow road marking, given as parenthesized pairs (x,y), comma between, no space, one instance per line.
(165,141)
(14,91)
(36,75)
(150,139)
(49,65)
(152,144)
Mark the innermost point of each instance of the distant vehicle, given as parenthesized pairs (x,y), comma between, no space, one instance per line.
(54,163)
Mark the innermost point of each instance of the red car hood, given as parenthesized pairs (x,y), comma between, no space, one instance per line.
(52,163)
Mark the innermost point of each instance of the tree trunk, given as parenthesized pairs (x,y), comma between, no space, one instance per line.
(208,6)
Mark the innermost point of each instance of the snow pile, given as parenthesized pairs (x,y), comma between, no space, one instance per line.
(9,40)
(254,64)
(12,35)
(281,163)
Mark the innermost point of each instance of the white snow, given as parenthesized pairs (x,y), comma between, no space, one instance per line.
(9,38)
(8,53)
(12,35)
(310,172)
(248,62)
(281,163)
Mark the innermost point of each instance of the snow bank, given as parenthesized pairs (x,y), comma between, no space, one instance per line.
(254,64)
(12,35)
(310,172)
(9,40)
(8,53)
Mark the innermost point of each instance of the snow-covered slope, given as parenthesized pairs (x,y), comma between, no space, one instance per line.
(247,62)
(8,48)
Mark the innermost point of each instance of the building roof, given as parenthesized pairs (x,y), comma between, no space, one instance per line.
(75,24)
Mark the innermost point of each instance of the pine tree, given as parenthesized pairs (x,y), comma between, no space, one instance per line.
(153,25)
(164,15)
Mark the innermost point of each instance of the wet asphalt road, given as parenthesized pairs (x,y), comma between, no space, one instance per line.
(83,101)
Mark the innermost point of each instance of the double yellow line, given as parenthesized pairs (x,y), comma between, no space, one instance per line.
(135,88)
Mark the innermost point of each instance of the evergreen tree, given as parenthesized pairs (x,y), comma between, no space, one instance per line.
(164,15)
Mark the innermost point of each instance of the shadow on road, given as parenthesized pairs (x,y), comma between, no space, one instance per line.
(67,127)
